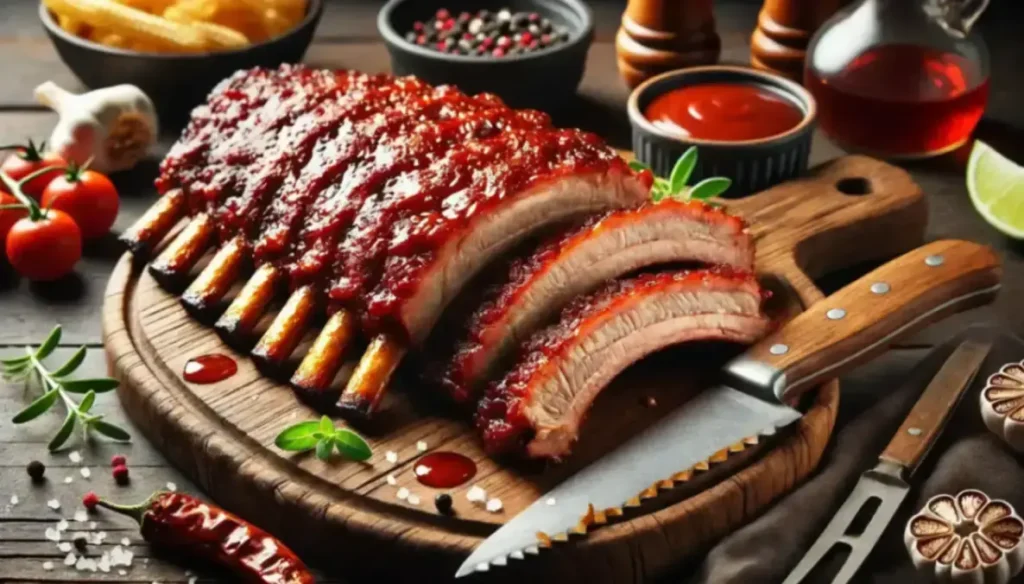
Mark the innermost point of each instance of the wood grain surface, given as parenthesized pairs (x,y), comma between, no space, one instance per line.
(347,37)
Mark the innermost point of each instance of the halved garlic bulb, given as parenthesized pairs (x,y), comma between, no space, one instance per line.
(1002,404)
(968,538)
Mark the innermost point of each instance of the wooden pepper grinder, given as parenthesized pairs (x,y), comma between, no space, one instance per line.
(662,35)
(784,28)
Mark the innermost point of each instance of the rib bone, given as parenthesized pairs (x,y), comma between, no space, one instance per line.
(216,279)
(174,264)
(369,382)
(144,236)
(321,364)
(239,320)
(287,330)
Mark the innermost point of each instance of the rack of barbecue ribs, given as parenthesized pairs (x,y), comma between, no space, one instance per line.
(366,203)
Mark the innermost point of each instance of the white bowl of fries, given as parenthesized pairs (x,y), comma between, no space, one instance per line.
(176,50)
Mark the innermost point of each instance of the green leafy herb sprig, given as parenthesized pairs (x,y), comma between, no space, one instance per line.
(322,436)
(57,385)
(675,186)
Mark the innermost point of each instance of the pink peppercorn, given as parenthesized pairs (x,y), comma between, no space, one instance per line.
(121,474)
(118,460)
(90,501)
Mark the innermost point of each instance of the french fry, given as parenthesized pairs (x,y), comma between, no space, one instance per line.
(217,36)
(150,6)
(75,27)
(131,23)
(111,39)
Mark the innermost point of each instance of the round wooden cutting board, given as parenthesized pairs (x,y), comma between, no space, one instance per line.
(347,517)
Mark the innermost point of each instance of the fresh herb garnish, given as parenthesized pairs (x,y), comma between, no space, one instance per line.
(57,385)
(322,436)
(675,187)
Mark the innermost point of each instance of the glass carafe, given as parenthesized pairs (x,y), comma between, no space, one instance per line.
(900,78)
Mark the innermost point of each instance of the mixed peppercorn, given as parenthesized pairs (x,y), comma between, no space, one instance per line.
(493,34)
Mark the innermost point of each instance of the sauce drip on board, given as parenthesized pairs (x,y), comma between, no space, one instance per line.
(444,470)
(209,368)
(729,112)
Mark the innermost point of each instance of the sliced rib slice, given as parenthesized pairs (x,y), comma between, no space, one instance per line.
(539,405)
(576,262)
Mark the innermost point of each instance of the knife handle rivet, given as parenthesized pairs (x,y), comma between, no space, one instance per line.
(880,288)
(835,314)
(914,431)
(934,261)
(778,349)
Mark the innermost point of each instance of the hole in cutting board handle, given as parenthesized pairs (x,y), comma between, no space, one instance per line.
(854,185)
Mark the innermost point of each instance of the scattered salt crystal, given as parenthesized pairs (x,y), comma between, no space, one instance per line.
(85,563)
(122,572)
(421,469)
(120,556)
(391,456)
(52,534)
(101,536)
(476,494)
(68,480)
(193,580)
(14,500)
(75,457)
(414,500)
(494,505)
(47,566)
(86,473)
(392,480)
(53,504)
(421,446)
(81,516)
(92,525)
(63,525)
(402,494)
(550,501)
(125,542)
(104,563)
(64,546)
(70,559)
(172,487)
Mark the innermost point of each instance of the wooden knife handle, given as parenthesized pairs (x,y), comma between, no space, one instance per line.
(864,318)
(929,415)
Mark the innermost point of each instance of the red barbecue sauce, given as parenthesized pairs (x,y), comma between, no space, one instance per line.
(730,112)
(444,470)
(209,368)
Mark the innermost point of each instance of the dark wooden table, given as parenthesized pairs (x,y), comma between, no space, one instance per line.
(347,38)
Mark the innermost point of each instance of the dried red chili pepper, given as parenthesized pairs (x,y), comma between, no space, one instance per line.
(180,521)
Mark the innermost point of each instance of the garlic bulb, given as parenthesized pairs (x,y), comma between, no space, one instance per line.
(115,126)
(1002,404)
(968,538)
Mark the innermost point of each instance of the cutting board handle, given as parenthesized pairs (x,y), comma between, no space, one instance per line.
(864,318)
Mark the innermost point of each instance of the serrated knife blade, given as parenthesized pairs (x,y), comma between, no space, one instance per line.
(852,325)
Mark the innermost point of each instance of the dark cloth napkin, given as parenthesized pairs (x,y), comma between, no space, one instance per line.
(967,455)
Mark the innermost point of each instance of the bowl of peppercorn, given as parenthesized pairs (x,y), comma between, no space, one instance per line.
(531,53)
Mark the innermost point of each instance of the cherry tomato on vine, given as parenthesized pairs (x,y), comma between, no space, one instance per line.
(28,159)
(87,196)
(8,217)
(44,248)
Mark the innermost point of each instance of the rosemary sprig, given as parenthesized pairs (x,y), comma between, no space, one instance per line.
(675,187)
(57,385)
(322,436)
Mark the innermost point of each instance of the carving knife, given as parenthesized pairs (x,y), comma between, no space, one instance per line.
(851,326)
(887,482)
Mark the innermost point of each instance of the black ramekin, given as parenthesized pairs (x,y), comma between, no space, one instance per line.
(546,79)
(753,165)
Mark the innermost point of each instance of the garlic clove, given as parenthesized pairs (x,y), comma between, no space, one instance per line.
(1002,404)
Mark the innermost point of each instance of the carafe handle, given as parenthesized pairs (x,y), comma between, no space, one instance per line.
(956,16)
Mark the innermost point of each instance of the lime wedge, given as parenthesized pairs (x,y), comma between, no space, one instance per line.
(996,185)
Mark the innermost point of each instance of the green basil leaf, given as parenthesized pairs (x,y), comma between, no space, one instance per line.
(323,448)
(710,188)
(326,426)
(49,344)
(73,363)
(101,385)
(657,196)
(109,430)
(87,401)
(683,169)
(352,445)
(299,437)
(638,166)
(36,408)
(63,434)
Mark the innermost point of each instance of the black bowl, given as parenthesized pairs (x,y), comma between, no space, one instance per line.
(175,82)
(544,79)
(753,165)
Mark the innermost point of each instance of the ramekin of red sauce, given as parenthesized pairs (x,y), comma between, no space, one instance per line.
(751,126)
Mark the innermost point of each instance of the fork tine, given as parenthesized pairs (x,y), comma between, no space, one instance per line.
(239,320)
(217,278)
(284,334)
(146,233)
(171,268)
(324,359)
